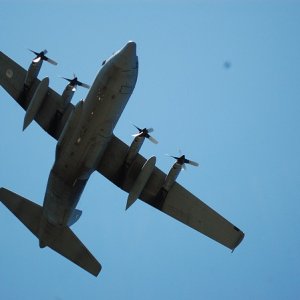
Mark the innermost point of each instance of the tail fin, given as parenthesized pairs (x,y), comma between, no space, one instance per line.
(62,240)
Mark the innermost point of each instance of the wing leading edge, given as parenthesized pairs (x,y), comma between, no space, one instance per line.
(177,203)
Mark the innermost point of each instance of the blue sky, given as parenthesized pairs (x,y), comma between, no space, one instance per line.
(241,124)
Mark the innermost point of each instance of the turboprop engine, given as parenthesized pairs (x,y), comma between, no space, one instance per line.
(71,88)
(175,170)
(36,65)
(137,143)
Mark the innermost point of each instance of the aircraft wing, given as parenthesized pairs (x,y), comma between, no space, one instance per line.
(179,203)
(52,115)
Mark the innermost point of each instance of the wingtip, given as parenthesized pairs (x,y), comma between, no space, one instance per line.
(97,271)
(238,241)
(25,125)
(128,204)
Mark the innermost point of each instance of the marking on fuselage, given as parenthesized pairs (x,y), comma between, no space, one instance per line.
(9,73)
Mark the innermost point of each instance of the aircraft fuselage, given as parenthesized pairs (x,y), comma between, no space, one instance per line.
(86,137)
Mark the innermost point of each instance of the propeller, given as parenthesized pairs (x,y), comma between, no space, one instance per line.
(145,133)
(181,160)
(75,82)
(42,56)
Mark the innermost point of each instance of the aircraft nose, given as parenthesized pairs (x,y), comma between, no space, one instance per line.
(129,48)
(126,58)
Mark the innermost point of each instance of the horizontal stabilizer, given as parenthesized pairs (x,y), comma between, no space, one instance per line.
(28,212)
(68,245)
(60,239)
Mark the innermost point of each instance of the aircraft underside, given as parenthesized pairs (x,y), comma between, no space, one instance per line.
(86,143)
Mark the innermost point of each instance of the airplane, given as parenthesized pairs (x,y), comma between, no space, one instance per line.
(86,143)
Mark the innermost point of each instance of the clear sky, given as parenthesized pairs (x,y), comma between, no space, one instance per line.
(240,123)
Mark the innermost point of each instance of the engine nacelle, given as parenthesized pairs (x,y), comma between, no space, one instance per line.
(32,73)
(36,102)
(172,176)
(134,149)
(67,94)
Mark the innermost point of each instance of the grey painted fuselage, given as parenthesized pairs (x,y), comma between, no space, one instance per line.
(87,134)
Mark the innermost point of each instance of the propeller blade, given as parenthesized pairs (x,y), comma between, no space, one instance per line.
(36,53)
(182,161)
(83,85)
(75,82)
(51,61)
(171,156)
(66,78)
(42,56)
(139,129)
(193,163)
(145,133)
(149,130)
(152,139)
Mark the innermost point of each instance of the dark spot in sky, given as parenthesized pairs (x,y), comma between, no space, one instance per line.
(227,64)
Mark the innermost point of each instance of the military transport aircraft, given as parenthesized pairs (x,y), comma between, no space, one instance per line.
(85,143)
